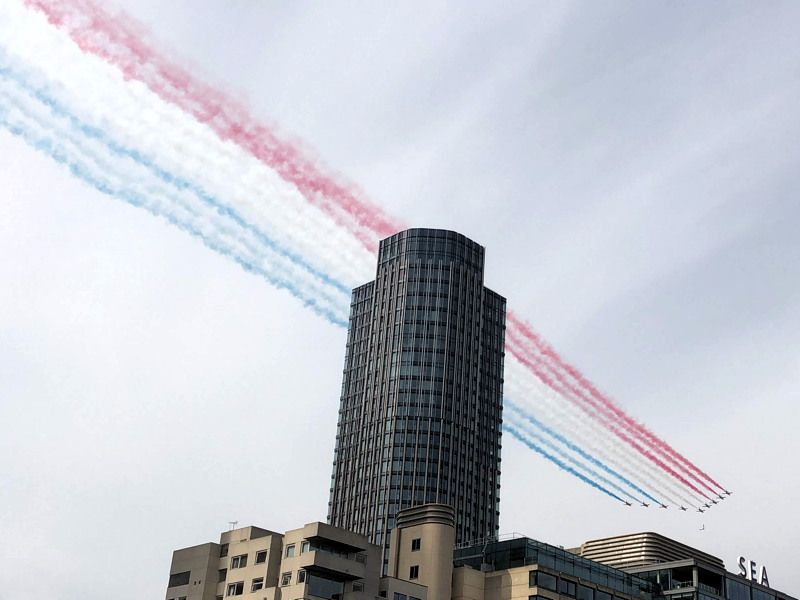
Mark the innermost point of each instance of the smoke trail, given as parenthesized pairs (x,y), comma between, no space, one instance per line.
(98,94)
(82,170)
(317,277)
(575,448)
(514,432)
(619,416)
(573,394)
(117,41)
(518,419)
(545,349)
(256,248)
(228,158)
(565,416)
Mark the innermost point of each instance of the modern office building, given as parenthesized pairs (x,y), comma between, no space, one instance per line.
(678,571)
(421,403)
(520,568)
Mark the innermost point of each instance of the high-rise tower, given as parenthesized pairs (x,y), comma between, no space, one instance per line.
(422,393)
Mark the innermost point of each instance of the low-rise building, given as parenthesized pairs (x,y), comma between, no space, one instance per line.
(322,562)
(678,571)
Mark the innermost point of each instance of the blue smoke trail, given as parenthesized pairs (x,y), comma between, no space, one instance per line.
(165,176)
(528,431)
(575,448)
(80,171)
(46,146)
(558,462)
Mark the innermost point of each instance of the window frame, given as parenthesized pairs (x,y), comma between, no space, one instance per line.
(238,588)
(239,561)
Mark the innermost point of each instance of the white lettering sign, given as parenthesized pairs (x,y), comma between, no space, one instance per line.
(749,570)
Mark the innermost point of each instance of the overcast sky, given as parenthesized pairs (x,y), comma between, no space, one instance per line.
(631,168)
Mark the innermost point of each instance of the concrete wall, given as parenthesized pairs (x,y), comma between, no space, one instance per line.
(468,584)
(201,562)
(433,526)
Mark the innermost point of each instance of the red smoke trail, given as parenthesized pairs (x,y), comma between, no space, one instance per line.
(117,41)
(608,405)
(603,407)
(574,395)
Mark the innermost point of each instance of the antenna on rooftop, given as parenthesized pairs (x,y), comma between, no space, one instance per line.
(233,525)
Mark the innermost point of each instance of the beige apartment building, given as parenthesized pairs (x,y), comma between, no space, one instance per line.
(320,561)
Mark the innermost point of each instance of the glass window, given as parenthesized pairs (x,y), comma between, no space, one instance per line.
(566,587)
(737,590)
(399,596)
(305,546)
(258,583)
(301,576)
(235,589)
(761,594)
(585,593)
(565,565)
(544,580)
(286,578)
(238,562)
(599,595)
(582,570)
(416,543)
(177,579)
(546,560)
(413,572)
(289,551)
(322,587)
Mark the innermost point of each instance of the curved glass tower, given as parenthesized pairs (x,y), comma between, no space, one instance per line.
(422,393)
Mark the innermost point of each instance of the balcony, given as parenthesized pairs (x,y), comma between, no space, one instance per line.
(337,566)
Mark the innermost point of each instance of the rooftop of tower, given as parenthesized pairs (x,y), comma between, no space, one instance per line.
(431,244)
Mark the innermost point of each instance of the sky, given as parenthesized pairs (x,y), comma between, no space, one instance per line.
(631,168)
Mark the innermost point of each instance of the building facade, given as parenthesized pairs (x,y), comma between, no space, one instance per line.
(678,571)
(322,562)
(421,404)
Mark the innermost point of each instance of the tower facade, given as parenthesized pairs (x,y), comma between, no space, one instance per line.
(421,406)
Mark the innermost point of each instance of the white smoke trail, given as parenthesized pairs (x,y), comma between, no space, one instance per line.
(524,426)
(593,436)
(613,426)
(128,178)
(97,93)
(615,418)
(562,415)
